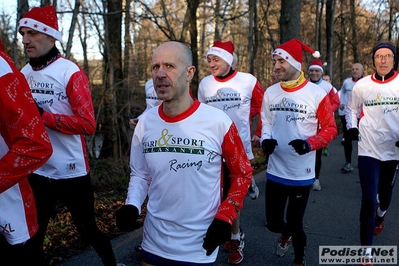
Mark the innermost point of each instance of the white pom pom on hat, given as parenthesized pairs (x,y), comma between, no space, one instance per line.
(316,54)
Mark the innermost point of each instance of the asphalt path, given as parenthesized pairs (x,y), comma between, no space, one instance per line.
(331,219)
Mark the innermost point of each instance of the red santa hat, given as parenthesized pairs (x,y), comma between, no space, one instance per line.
(223,50)
(291,51)
(318,64)
(42,19)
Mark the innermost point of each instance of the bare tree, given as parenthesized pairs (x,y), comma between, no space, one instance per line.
(192,7)
(74,20)
(82,29)
(319,14)
(330,11)
(290,20)
(253,34)
(354,30)
(114,76)
(22,8)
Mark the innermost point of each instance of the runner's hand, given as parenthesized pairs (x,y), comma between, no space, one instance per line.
(126,218)
(268,146)
(218,233)
(301,146)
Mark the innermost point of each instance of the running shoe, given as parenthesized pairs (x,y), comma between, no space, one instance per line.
(227,245)
(379,223)
(283,245)
(253,190)
(303,263)
(316,185)
(347,168)
(236,251)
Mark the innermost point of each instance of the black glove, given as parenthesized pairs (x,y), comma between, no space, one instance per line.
(126,218)
(40,109)
(218,233)
(397,144)
(268,146)
(353,133)
(301,146)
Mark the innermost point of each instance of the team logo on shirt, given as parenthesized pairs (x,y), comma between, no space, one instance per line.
(391,103)
(224,96)
(231,98)
(289,105)
(71,166)
(382,100)
(40,87)
(175,144)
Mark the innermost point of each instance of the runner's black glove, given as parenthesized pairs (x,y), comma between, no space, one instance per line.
(353,133)
(301,146)
(218,233)
(126,218)
(268,146)
(397,144)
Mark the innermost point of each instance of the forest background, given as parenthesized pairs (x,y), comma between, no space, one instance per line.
(124,33)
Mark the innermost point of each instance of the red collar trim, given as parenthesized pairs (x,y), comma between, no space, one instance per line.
(181,116)
(386,80)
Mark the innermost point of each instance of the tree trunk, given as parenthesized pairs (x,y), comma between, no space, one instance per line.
(192,9)
(319,29)
(72,28)
(252,35)
(317,20)
(83,41)
(330,11)
(354,30)
(22,8)
(342,38)
(113,82)
(290,20)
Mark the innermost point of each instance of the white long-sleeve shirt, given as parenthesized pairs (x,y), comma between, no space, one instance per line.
(177,161)
(379,118)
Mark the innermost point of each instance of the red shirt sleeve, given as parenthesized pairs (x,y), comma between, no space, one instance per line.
(328,128)
(82,121)
(240,173)
(256,106)
(23,131)
(334,99)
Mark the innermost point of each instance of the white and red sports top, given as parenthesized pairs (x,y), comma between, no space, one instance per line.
(240,97)
(177,161)
(63,91)
(379,116)
(303,112)
(24,147)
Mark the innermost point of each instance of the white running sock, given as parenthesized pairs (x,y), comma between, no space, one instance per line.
(380,213)
(235,236)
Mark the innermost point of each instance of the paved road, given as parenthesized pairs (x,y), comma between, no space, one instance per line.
(331,219)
